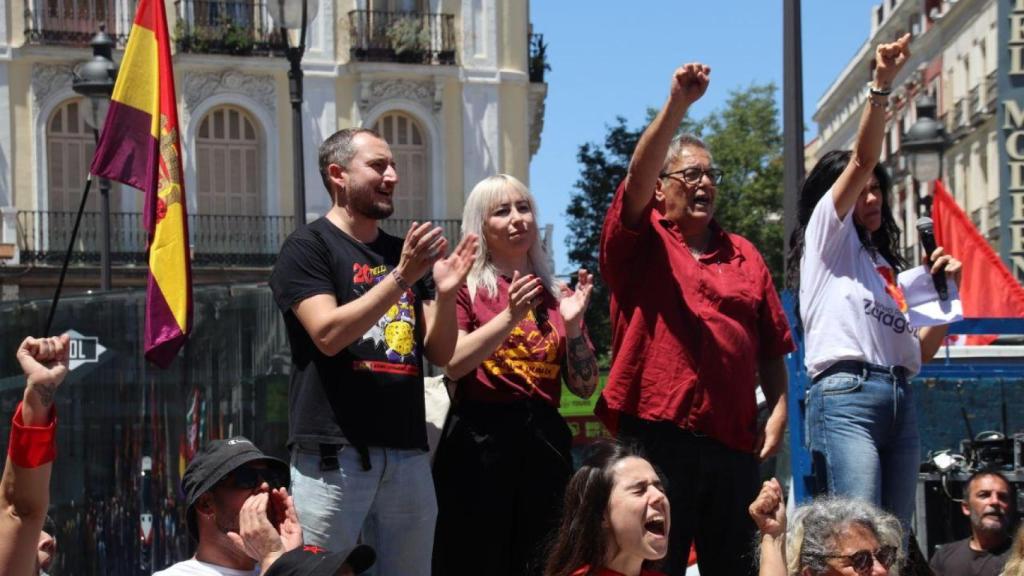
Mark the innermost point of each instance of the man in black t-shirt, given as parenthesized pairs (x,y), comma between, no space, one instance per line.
(987,501)
(362,308)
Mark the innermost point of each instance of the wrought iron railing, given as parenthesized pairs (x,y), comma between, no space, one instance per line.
(43,237)
(538,58)
(240,27)
(215,240)
(74,22)
(400,226)
(413,37)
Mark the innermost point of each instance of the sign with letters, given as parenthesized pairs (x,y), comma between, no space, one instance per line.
(1010,129)
(83,349)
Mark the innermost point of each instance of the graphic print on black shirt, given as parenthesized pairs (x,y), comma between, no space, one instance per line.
(395,332)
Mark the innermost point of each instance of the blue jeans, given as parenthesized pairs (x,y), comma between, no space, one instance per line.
(391,507)
(862,429)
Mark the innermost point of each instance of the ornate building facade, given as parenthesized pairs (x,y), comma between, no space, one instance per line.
(456,87)
(959,54)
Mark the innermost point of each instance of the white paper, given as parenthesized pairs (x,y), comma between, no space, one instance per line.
(924,308)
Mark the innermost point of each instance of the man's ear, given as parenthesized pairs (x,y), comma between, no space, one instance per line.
(658,194)
(965,508)
(339,183)
(204,505)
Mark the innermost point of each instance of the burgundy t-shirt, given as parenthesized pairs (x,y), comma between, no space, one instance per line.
(687,333)
(527,364)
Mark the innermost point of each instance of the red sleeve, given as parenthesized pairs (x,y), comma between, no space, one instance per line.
(773,327)
(620,244)
(464,310)
(32,446)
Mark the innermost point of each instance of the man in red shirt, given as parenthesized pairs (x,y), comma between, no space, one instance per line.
(696,323)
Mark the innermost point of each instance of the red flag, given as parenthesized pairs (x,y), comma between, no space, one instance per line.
(987,289)
(139,147)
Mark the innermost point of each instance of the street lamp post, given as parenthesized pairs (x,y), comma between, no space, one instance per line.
(95,80)
(924,145)
(293,17)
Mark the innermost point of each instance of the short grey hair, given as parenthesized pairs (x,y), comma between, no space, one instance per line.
(338,149)
(816,528)
(680,143)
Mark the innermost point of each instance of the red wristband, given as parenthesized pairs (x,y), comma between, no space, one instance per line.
(32,446)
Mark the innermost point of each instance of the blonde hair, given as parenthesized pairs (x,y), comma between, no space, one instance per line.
(484,197)
(1015,564)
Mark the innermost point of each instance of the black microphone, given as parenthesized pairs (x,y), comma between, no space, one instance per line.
(926,230)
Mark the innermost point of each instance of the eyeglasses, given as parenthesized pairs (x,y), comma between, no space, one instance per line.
(863,560)
(693,175)
(246,478)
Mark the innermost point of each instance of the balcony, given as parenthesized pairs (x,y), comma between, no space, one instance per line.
(251,241)
(75,22)
(410,37)
(234,27)
(217,241)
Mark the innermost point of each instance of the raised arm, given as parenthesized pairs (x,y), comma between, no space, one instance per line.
(688,84)
(769,513)
(580,362)
(442,331)
(25,487)
(889,58)
(333,328)
(474,347)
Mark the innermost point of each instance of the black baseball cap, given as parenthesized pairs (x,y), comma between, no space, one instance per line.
(315,561)
(214,462)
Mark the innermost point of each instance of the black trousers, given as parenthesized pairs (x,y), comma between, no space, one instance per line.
(709,489)
(500,474)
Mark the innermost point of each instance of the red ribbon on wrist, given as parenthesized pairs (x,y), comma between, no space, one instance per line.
(32,446)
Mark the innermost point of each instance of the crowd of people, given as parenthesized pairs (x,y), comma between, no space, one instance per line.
(697,327)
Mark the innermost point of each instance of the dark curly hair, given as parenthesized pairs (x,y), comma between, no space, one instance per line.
(885,241)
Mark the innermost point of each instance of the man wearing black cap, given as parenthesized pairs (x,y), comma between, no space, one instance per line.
(223,478)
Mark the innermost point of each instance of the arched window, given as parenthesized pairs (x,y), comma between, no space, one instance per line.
(405,136)
(229,168)
(69,149)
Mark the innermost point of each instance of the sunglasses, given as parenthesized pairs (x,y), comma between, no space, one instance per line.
(863,560)
(246,478)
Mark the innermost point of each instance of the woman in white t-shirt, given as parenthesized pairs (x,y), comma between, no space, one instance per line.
(860,351)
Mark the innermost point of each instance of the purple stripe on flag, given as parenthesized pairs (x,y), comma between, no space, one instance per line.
(133,156)
(163,337)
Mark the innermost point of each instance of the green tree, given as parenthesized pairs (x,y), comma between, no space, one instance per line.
(746,143)
(603,167)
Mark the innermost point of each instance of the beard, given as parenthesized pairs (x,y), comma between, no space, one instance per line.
(985,520)
(361,200)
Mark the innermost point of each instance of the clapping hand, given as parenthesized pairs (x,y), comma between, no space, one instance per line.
(523,295)
(574,302)
(424,245)
(450,272)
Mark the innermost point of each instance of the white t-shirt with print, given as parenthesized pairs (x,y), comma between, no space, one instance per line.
(848,311)
(193,567)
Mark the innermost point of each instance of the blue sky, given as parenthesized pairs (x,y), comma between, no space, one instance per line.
(613,59)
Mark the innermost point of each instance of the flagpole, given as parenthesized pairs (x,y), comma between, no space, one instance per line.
(67,255)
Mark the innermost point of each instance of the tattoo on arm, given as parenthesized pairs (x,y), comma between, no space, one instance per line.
(45,392)
(582,367)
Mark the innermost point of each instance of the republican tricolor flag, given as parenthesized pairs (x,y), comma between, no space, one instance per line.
(139,147)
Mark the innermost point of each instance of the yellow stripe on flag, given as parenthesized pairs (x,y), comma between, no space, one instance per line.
(167,262)
(138,82)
